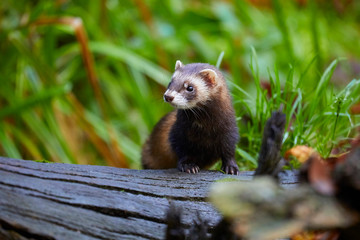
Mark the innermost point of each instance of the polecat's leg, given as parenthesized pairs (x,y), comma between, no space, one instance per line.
(186,164)
(229,166)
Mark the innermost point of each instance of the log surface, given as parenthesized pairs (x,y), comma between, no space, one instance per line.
(65,201)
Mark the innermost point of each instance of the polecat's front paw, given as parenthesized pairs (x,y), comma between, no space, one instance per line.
(230,168)
(188,167)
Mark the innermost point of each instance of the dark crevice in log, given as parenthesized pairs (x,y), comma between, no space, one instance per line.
(93,231)
(27,232)
(11,230)
(103,210)
(34,190)
(119,213)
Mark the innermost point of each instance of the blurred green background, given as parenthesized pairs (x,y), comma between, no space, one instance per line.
(82,81)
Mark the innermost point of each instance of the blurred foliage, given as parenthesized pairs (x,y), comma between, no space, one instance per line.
(82,81)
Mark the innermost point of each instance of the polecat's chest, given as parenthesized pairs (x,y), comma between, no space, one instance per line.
(201,133)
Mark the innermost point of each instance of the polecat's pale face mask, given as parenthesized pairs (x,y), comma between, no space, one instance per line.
(187,88)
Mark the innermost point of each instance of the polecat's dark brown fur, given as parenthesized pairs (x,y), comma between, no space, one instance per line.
(203,128)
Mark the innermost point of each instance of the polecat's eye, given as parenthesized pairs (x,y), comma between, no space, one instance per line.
(189,88)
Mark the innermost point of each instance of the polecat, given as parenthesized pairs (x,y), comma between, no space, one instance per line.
(203,128)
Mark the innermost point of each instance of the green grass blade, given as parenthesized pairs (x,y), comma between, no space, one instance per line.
(247,157)
(325,78)
(34,100)
(8,144)
(141,64)
(220,58)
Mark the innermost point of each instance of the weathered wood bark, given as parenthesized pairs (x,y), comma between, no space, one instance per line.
(63,201)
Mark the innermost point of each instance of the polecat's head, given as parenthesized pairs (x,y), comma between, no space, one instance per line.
(192,85)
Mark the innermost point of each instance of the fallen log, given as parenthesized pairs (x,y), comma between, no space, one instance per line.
(64,201)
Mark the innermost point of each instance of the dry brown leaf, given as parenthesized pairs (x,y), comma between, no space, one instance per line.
(304,236)
(319,174)
(316,235)
(300,152)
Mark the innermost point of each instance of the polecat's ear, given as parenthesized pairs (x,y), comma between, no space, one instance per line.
(178,64)
(209,76)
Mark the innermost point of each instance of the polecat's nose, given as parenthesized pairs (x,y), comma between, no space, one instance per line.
(168,98)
